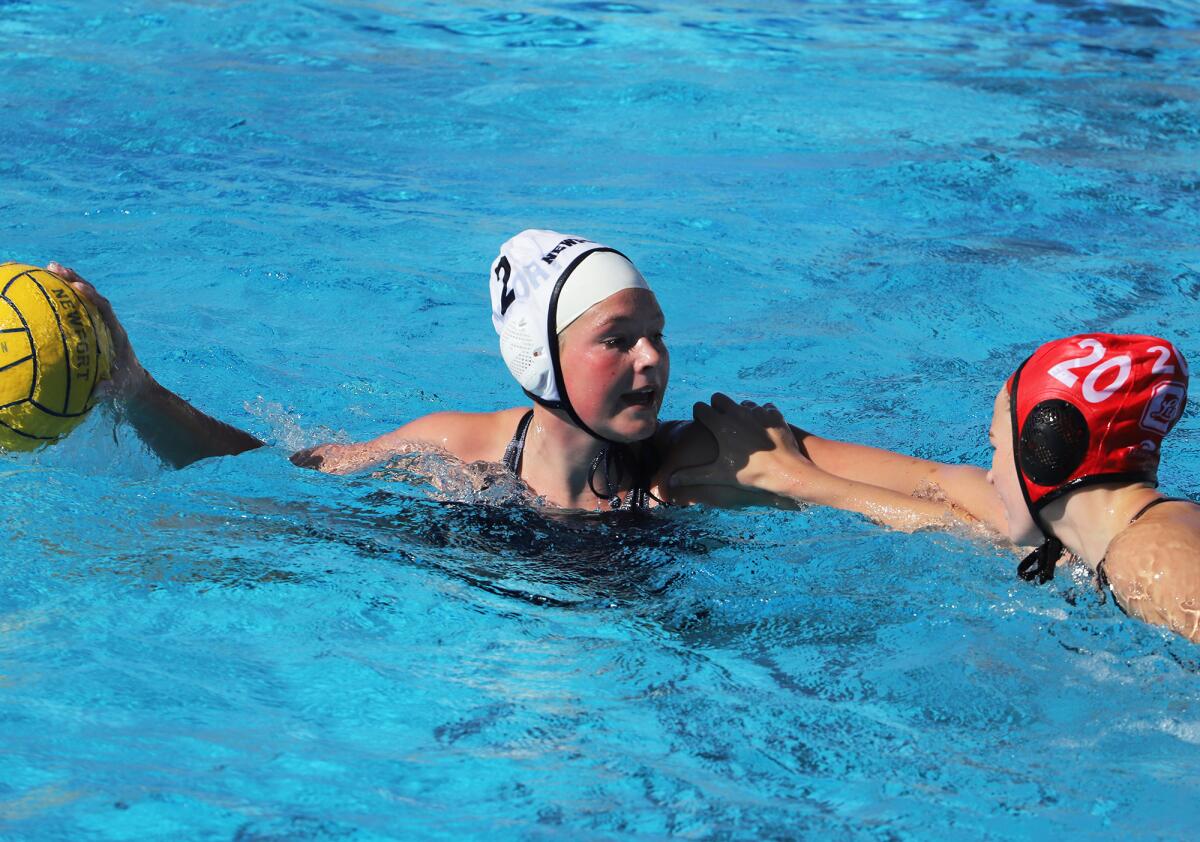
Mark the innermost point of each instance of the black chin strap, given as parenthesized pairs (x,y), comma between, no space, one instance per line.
(612,487)
(618,461)
(1040,563)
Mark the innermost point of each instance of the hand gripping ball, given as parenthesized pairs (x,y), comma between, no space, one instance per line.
(54,350)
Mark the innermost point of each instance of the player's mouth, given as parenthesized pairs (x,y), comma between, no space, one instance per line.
(644,397)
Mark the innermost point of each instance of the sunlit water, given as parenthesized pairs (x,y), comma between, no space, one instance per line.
(866,211)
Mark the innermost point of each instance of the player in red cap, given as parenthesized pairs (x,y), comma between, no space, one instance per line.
(1076,432)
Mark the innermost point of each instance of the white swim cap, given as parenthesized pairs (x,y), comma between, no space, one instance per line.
(532,302)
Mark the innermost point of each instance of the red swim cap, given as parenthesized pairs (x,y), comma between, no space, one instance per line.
(1093,408)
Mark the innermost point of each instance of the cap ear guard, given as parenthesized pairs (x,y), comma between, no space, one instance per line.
(1053,442)
(524,355)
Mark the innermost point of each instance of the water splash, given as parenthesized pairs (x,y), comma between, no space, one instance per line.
(452,480)
(286,429)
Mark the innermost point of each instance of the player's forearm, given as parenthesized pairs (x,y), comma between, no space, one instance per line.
(339,458)
(873,465)
(178,432)
(358,456)
(963,486)
(883,505)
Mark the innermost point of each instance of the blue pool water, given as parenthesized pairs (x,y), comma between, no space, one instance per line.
(866,211)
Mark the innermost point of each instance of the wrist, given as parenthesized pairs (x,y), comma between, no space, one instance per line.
(135,387)
(791,475)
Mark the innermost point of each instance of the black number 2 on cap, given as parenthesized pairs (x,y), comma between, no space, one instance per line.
(503,273)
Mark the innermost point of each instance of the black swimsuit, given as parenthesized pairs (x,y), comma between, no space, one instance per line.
(516,447)
(638,497)
(1100,574)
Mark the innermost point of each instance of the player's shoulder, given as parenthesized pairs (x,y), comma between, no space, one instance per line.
(1167,535)
(470,436)
(1153,567)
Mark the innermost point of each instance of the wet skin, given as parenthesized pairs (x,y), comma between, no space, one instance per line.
(615,365)
(1003,475)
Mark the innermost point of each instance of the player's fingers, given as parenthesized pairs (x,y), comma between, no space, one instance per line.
(64,272)
(722,402)
(96,300)
(307,458)
(706,415)
(75,279)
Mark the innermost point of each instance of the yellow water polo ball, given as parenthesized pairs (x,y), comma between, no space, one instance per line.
(54,350)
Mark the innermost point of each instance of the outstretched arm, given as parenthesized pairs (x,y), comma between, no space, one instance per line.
(758,451)
(964,486)
(357,456)
(467,436)
(174,429)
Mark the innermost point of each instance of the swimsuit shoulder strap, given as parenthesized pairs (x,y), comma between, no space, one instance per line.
(1154,503)
(516,447)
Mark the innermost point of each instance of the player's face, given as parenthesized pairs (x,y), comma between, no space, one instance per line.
(615,365)
(1003,475)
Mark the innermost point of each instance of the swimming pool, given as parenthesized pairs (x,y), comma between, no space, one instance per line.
(867,211)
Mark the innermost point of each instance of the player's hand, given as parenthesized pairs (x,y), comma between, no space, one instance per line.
(127,375)
(756,448)
(330,458)
(310,457)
